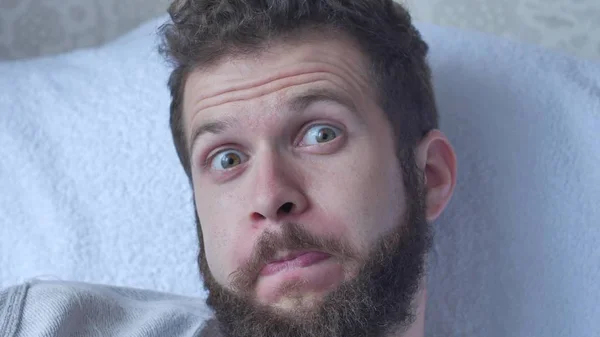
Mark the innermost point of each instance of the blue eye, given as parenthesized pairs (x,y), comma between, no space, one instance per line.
(227,159)
(320,134)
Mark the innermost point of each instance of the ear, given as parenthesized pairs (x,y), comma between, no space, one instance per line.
(436,158)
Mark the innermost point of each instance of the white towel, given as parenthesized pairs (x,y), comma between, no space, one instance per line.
(517,251)
(91,189)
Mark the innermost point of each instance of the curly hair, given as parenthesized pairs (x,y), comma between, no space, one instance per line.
(201,32)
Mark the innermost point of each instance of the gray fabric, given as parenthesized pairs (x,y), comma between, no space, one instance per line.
(53,308)
(11,305)
(39,27)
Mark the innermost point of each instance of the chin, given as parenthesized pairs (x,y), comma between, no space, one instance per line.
(306,302)
(298,307)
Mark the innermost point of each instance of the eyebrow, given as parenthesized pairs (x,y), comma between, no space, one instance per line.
(296,105)
(312,96)
(213,127)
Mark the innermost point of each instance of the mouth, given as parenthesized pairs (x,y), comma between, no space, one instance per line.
(293,260)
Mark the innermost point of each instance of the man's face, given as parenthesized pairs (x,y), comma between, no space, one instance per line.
(298,189)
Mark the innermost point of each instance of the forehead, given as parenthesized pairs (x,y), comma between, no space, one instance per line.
(280,63)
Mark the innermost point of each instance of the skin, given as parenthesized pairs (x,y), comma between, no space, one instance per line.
(349,187)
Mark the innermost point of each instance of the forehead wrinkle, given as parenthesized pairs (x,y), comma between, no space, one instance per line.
(244,94)
(271,88)
(233,86)
(335,66)
(240,84)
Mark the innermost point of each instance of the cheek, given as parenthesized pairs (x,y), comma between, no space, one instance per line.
(383,195)
(365,196)
(217,232)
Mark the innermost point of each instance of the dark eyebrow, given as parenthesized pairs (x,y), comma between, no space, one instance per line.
(214,127)
(296,105)
(303,101)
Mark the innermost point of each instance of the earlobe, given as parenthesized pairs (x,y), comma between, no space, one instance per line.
(436,158)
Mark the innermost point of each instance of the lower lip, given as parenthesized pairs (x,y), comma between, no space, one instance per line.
(300,261)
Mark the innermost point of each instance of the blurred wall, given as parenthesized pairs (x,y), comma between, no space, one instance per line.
(31,28)
(571,26)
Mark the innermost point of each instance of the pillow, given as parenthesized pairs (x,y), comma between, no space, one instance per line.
(92,189)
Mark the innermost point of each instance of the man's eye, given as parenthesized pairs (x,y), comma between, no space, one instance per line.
(227,159)
(320,134)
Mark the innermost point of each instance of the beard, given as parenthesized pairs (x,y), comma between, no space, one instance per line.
(375,302)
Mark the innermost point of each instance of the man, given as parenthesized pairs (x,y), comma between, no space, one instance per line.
(308,131)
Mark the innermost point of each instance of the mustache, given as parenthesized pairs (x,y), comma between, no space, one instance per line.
(293,236)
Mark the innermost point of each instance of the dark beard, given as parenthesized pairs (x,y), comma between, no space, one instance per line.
(379,300)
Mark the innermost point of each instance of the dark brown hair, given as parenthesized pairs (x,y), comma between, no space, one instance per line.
(203,31)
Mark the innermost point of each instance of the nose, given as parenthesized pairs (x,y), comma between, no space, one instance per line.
(277,192)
